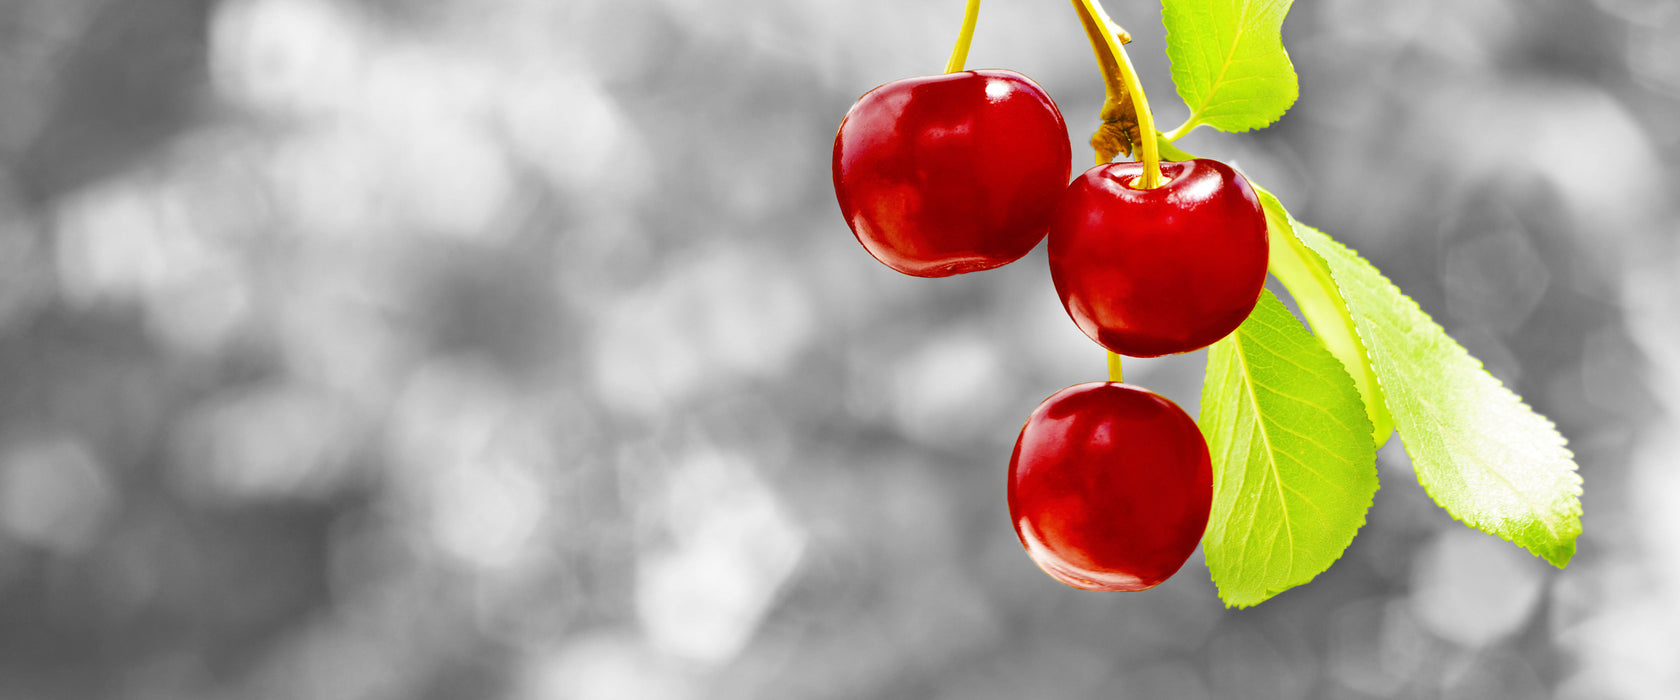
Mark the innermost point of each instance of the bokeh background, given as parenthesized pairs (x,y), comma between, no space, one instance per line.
(392,349)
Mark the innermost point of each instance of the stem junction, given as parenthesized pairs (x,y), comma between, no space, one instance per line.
(1127,121)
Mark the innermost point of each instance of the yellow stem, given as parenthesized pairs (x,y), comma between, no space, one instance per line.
(1151,150)
(959,53)
(1121,79)
(1097,28)
(1114,373)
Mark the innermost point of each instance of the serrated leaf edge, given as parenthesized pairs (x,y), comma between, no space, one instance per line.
(1196,112)
(1564,551)
(1295,244)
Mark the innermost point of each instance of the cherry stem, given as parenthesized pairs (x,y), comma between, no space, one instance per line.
(959,52)
(1121,80)
(1151,150)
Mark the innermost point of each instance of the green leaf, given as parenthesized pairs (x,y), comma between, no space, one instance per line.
(1228,62)
(1294,467)
(1480,452)
(1309,282)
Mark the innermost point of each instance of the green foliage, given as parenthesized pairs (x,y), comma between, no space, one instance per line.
(1479,451)
(1294,466)
(1321,304)
(1228,61)
(1293,418)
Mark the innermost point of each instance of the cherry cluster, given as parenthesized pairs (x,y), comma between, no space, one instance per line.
(1110,484)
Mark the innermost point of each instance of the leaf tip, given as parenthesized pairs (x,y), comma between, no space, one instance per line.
(1560,556)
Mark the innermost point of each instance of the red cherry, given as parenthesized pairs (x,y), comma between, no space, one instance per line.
(1110,487)
(1160,271)
(944,174)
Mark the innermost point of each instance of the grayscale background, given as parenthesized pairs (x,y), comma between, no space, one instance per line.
(415,349)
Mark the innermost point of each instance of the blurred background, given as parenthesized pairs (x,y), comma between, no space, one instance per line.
(392,349)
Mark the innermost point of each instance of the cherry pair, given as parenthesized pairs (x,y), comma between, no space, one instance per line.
(946,174)
(1110,484)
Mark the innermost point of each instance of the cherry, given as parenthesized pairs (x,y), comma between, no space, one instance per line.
(945,174)
(1159,271)
(1110,487)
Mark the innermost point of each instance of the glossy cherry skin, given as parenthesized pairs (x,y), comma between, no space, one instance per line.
(1160,271)
(945,174)
(1110,487)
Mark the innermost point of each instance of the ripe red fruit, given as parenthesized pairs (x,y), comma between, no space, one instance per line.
(1160,271)
(944,174)
(1110,487)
